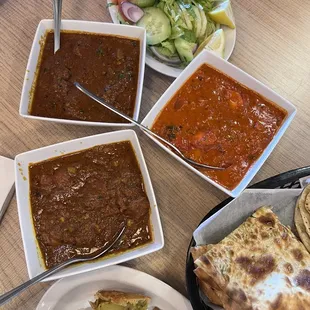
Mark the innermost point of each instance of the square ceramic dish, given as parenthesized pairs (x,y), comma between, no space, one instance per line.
(83,26)
(241,77)
(35,264)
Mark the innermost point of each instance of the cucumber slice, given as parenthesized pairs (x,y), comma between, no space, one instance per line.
(163,51)
(170,46)
(176,32)
(185,49)
(161,54)
(186,17)
(197,21)
(156,24)
(143,3)
(204,23)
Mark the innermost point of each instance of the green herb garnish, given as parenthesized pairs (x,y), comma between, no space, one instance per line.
(100,51)
(172,131)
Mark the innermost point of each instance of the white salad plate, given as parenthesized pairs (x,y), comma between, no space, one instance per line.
(34,259)
(76,292)
(47,25)
(244,79)
(230,41)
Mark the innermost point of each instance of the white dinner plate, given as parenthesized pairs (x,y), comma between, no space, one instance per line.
(74,293)
(230,41)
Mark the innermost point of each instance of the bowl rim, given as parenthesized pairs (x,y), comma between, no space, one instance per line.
(243,78)
(29,77)
(34,260)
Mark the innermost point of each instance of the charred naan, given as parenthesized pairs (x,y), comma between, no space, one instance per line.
(259,266)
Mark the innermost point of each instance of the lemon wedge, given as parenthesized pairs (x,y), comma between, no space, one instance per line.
(214,43)
(223,14)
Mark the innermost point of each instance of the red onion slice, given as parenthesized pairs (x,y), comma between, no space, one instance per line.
(131,11)
(195,48)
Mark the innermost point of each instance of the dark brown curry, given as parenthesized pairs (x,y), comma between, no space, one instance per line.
(106,65)
(80,201)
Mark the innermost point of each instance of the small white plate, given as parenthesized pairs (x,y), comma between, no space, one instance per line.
(230,41)
(82,26)
(34,261)
(244,79)
(76,292)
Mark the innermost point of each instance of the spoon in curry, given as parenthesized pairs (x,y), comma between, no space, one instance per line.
(57,4)
(77,258)
(150,132)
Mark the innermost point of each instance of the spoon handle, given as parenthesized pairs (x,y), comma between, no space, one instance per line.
(57,5)
(99,100)
(15,291)
(150,132)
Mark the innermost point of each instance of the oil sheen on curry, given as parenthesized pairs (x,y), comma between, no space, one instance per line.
(81,200)
(106,65)
(215,120)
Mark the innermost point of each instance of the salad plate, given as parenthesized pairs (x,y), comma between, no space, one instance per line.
(173,70)
(77,291)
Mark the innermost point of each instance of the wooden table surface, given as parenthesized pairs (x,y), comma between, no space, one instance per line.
(273,44)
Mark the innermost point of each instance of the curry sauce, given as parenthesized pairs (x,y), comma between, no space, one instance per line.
(215,120)
(107,65)
(80,201)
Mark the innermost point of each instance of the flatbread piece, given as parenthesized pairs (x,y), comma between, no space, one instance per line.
(260,266)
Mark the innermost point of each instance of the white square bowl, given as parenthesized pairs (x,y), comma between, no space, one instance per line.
(34,260)
(241,77)
(83,26)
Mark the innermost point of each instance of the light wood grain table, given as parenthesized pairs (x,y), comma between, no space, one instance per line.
(273,45)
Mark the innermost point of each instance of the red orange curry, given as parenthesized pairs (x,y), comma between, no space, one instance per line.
(215,120)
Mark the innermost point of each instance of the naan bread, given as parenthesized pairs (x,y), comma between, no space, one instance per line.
(305,196)
(307,201)
(301,228)
(199,250)
(259,266)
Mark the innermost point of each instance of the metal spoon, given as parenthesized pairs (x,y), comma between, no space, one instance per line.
(57,4)
(101,101)
(78,258)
